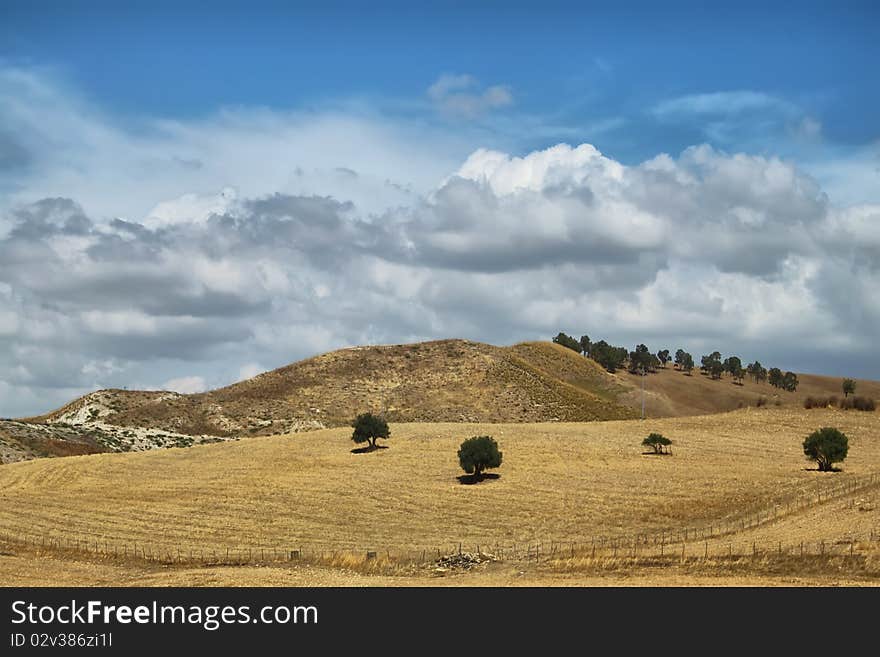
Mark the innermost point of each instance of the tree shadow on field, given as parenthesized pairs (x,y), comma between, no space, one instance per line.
(816,469)
(653,453)
(469,479)
(368,449)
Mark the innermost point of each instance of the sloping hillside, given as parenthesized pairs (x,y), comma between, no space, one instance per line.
(23,441)
(669,392)
(442,381)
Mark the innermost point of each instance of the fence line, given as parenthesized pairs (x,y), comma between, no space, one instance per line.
(851,546)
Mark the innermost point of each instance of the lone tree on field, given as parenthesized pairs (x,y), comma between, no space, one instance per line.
(478,454)
(369,427)
(826,447)
(849,387)
(657,442)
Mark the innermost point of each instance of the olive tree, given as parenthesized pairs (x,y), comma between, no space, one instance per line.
(478,454)
(826,446)
(657,442)
(369,427)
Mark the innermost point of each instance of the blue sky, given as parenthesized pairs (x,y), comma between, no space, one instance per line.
(191,193)
(571,64)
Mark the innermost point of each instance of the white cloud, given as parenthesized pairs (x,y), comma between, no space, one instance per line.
(720,102)
(173,168)
(734,251)
(185,385)
(249,371)
(191,208)
(462,96)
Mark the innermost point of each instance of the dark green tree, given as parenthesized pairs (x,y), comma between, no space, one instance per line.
(774,376)
(789,381)
(478,454)
(640,360)
(369,427)
(712,364)
(687,363)
(567,341)
(849,387)
(585,345)
(657,442)
(663,357)
(610,357)
(757,371)
(733,366)
(679,357)
(826,447)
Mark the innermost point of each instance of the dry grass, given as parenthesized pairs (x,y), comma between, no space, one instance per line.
(670,392)
(559,482)
(442,381)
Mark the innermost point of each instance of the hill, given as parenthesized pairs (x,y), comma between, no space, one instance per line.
(442,381)
(671,393)
(560,483)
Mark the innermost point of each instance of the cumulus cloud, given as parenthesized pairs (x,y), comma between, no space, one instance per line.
(209,285)
(462,96)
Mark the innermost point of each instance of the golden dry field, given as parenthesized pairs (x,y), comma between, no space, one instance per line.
(561,485)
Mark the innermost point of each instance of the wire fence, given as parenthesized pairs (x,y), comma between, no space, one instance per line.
(712,539)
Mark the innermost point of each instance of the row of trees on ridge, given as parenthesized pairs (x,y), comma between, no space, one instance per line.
(642,361)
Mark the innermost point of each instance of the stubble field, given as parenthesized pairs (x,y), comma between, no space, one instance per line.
(563,486)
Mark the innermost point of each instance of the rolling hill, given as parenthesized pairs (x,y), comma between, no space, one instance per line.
(443,381)
(439,381)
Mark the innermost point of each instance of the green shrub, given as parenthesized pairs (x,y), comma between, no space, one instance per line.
(369,427)
(826,446)
(477,454)
(657,442)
